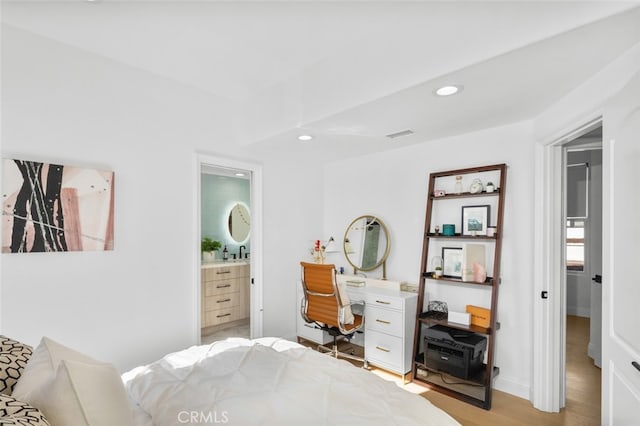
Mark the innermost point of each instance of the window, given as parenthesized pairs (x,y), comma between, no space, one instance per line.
(575,244)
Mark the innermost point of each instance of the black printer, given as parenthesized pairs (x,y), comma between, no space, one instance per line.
(456,352)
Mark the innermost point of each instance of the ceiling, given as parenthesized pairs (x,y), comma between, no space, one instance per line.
(351,72)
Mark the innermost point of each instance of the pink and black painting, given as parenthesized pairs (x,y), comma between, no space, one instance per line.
(55,208)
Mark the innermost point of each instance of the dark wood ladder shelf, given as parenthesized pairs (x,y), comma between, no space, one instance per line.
(477,388)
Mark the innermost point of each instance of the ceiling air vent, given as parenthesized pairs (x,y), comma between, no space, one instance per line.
(400,134)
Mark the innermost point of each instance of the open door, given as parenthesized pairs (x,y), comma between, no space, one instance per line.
(621,247)
(595,263)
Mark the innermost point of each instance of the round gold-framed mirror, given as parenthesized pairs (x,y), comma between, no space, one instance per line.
(239,222)
(366,244)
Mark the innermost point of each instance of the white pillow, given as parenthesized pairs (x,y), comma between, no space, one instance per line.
(72,388)
(80,394)
(43,365)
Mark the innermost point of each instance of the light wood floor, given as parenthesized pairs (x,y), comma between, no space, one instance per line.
(583,392)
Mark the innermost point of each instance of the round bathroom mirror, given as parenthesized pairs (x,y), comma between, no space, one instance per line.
(366,244)
(239,223)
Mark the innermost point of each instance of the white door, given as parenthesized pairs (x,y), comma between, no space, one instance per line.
(621,249)
(595,259)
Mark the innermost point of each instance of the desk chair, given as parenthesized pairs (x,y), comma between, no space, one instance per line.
(328,308)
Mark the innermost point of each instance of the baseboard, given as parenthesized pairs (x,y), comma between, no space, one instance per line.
(290,336)
(512,387)
(579,311)
(591,352)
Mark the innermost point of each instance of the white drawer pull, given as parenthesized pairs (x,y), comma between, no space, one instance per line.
(383,321)
(223,300)
(382,349)
(383,302)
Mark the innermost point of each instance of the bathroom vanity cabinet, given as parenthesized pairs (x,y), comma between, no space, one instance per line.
(224,295)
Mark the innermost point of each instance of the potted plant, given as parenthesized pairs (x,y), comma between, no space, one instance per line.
(489,187)
(208,247)
(438,271)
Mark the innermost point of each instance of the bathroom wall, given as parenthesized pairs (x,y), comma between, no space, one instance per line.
(218,196)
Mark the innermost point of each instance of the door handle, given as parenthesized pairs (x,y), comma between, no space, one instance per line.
(597,279)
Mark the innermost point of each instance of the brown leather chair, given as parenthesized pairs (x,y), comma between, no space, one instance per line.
(323,306)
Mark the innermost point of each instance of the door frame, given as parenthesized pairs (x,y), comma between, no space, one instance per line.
(548,388)
(591,252)
(256,259)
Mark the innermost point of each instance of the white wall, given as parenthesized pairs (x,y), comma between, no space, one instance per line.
(138,302)
(393,185)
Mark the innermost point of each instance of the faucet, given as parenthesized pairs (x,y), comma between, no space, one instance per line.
(240,249)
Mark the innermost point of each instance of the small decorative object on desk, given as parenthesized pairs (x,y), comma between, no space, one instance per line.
(318,253)
(458,186)
(439,193)
(489,187)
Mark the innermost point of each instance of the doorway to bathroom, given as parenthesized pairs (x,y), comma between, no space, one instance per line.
(229,231)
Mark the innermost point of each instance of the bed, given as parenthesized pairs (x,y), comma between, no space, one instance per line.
(267,381)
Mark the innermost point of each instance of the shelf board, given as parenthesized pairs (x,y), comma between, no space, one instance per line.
(461,237)
(478,394)
(466,195)
(473,328)
(479,378)
(429,275)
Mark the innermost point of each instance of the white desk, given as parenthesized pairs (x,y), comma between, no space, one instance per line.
(388,325)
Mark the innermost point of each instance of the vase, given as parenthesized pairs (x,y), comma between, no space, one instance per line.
(208,256)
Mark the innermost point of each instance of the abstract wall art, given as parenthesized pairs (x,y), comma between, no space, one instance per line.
(52,208)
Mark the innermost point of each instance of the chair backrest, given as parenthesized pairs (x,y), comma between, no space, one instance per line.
(320,292)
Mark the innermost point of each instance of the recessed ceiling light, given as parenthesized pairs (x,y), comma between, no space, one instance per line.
(448,90)
(305,138)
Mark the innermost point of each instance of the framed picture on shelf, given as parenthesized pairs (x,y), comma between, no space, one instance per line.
(475,220)
(452,262)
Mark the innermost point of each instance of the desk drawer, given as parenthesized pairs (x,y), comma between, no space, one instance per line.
(384,349)
(384,320)
(384,301)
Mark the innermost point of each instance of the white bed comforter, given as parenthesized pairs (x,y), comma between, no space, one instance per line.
(269,382)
